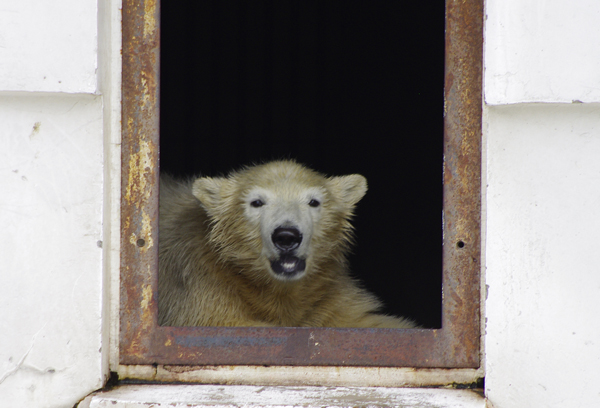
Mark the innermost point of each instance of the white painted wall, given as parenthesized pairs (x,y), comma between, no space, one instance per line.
(543,243)
(48,46)
(542,203)
(542,51)
(58,165)
(51,260)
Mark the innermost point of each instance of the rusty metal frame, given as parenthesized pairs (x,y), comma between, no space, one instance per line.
(455,345)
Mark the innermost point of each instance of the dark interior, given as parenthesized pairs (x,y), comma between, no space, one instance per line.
(343,87)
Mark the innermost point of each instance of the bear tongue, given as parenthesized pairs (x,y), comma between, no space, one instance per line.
(288,265)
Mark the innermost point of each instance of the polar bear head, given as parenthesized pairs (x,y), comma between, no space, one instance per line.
(280,219)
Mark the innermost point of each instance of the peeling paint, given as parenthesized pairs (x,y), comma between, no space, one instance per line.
(140,163)
(149,20)
(147,231)
(147,297)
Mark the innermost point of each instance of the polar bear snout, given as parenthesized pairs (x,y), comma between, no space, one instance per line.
(288,264)
(286,239)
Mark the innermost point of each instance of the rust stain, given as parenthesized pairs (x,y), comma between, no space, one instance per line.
(462,178)
(141,167)
(139,217)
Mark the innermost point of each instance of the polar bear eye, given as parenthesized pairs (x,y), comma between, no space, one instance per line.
(314,203)
(257,203)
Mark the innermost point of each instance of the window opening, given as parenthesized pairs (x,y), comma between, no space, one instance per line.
(341,90)
(239,116)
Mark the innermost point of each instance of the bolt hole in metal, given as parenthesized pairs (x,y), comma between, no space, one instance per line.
(140,242)
(460,244)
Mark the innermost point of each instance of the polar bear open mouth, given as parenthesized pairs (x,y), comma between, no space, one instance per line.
(288,265)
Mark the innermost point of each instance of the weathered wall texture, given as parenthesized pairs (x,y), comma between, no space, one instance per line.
(51,203)
(543,241)
(49,46)
(51,263)
(542,51)
(542,203)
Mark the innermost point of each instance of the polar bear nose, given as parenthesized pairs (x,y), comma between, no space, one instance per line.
(286,239)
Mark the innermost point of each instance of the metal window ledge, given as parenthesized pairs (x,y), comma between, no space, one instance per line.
(196,396)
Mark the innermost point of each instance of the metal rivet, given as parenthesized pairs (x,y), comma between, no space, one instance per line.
(140,242)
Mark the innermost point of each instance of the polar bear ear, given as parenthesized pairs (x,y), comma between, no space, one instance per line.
(349,189)
(208,190)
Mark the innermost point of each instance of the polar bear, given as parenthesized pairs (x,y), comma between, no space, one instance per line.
(264,246)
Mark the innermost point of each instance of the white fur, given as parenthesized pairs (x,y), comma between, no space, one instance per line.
(285,205)
(218,265)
